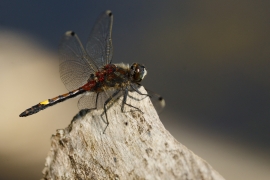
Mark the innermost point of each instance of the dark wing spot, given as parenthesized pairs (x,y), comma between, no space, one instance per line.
(109,13)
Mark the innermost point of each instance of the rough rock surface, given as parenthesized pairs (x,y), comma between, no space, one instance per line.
(135,146)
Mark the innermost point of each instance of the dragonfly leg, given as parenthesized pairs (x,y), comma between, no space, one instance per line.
(96,102)
(159,97)
(83,112)
(124,102)
(105,108)
(136,89)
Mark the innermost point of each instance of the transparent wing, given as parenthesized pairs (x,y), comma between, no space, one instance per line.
(157,100)
(99,45)
(88,101)
(75,65)
(97,100)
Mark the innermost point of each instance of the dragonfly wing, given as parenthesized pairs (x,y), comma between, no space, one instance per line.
(106,95)
(88,101)
(99,45)
(75,66)
(97,100)
(157,100)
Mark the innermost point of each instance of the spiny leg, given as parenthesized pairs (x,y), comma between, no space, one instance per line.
(96,102)
(157,100)
(84,111)
(105,109)
(157,95)
(135,89)
(124,102)
(89,101)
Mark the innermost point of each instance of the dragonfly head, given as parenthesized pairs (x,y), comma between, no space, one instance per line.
(138,72)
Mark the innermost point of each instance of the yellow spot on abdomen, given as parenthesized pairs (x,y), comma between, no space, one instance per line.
(45,102)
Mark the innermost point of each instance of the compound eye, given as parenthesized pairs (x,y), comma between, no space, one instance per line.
(142,72)
(133,67)
(138,72)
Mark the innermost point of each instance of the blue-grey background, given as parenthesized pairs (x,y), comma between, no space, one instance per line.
(209,59)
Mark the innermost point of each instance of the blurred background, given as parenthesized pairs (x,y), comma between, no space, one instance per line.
(209,59)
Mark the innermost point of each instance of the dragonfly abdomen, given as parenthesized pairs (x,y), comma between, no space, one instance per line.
(50,102)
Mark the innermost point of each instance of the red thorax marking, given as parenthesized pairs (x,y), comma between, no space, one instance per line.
(100,76)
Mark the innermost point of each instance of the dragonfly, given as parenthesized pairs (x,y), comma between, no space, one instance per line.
(90,72)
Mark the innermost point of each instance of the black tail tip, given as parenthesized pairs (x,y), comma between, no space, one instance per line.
(23,114)
(26,113)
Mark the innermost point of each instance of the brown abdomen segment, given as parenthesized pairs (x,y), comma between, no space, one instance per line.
(50,102)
